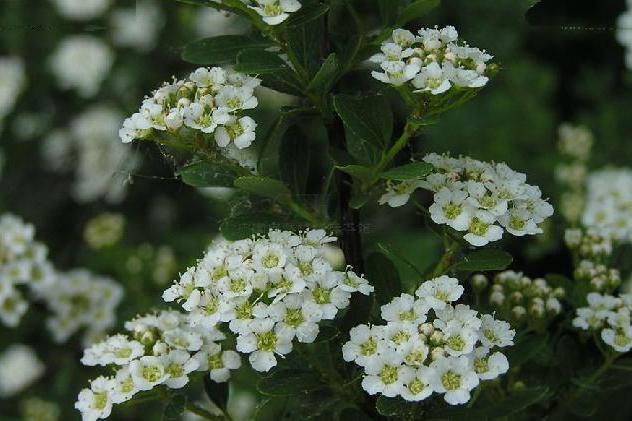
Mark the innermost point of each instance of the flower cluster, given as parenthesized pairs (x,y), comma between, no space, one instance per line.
(609,203)
(273,12)
(481,199)
(418,352)
(81,63)
(160,349)
(433,61)
(23,261)
(268,290)
(89,148)
(624,33)
(36,409)
(77,299)
(591,251)
(524,300)
(12,80)
(19,367)
(81,299)
(211,101)
(574,144)
(610,317)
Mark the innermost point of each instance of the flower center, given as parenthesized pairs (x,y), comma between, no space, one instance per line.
(270,261)
(100,400)
(266,341)
(294,317)
(152,373)
(481,365)
(456,343)
(322,295)
(368,348)
(215,361)
(416,387)
(478,227)
(389,374)
(451,380)
(415,358)
(175,370)
(407,316)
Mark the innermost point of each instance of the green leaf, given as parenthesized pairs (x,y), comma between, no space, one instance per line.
(259,62)
(306,14)
(357,171)
(216,392)
(270,409)
(263,186)
(527,347)
(383,275)
(205,174)
(289,382)
(397,407)
(305,41)
(326,75)
(175,408)
(518,402)
(327,333)
(284,80)
(296,154)
(482,260)
(245,226)
(416,10)
(370,118)
(408,171)
(388,12)
(223,49)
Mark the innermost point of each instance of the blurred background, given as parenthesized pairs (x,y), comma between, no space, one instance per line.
(71,71)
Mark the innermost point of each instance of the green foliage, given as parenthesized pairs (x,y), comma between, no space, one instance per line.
(222,49)
(205,174)
(483,260)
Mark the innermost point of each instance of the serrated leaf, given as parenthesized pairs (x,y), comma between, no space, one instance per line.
(221,50)
(327,333)
(416,10)
(408,171)
(206,174)
(370,118)
(259,62)
(483,260)
(325,77)
(263,186)
(289,382)
(305,42)
(296,155)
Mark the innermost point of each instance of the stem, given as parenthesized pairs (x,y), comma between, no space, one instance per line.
(349,219)
(409,131)
(446,260)
(201,412)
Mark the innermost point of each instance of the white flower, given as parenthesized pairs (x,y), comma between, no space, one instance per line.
(487,366)
(296,318)
(397,72)
(19,367)
(147,372)
(385,375)
(439,291)
(432,79)
(416,383)
(354,283)
(234,98)
(264,341)
(454,377)
(241,132)
(81,9)
(451,208)
(398,194)
(12,81)
(178,364)
(137,27)
(495,332)
(273,12)
(181,339)
(218,362)
(81,62)
(405,309)
(620,339)
(482,229)
(96,402)
(363,345)
(124,387)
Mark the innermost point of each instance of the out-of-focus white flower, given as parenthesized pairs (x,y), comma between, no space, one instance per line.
(81,63)
(211,23)
(12,81)
(137,27)
(19,368)
(81,9)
